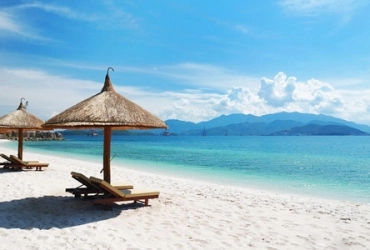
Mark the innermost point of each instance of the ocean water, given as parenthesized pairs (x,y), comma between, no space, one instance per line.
(334,167)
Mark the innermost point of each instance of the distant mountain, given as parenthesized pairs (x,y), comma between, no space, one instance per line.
(178,127)
(225,120)
(241,124)
(314,129)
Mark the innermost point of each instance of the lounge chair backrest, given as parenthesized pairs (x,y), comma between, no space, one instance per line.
(84,180)
(107,187)
(6,157)
(17,160)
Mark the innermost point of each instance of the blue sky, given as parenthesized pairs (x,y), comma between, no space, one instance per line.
(189,60)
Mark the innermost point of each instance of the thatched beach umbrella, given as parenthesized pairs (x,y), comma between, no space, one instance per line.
(20,120)
(109,110)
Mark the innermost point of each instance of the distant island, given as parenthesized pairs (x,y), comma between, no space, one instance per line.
(278,124)
(33,136)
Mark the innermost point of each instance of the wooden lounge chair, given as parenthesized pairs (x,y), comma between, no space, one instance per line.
(8,161)
(87,187)
(19,164)
(112,194)
(12,163)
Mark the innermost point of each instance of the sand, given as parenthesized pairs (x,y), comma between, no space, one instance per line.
(37,213)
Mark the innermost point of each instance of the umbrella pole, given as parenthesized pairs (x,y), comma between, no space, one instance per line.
(106,153)
(20,143)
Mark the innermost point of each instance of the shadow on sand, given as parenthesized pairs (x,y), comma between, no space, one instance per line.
(9,169)
(55,212)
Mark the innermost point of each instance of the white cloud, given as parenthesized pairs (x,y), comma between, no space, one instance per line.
(185,105)
(318,7)
(356,105)
(55,9)
(65,12)
(14,19)
(14,22)
(279,91)
(47,94)
(288,94)
(10,25)
(117,17)
(199,106)
(201,76)
(7,23)
(242,28)
(204,76)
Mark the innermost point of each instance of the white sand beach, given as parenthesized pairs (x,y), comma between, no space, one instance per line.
(37,213)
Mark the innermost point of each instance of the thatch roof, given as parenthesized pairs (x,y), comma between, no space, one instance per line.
(21,119)
(107,108)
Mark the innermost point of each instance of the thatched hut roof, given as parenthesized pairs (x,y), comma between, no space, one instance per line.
(21,119)
(107,108)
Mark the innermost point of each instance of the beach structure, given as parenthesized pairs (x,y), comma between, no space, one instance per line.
(22,121)
(88,187)
(18,164)
(113,194)
(107,110)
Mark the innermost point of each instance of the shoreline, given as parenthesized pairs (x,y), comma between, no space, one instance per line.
(188,214)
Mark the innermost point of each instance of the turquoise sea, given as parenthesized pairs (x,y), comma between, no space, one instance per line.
(335,167)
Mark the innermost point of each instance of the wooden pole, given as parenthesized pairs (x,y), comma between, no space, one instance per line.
(106,153)
(20,143)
